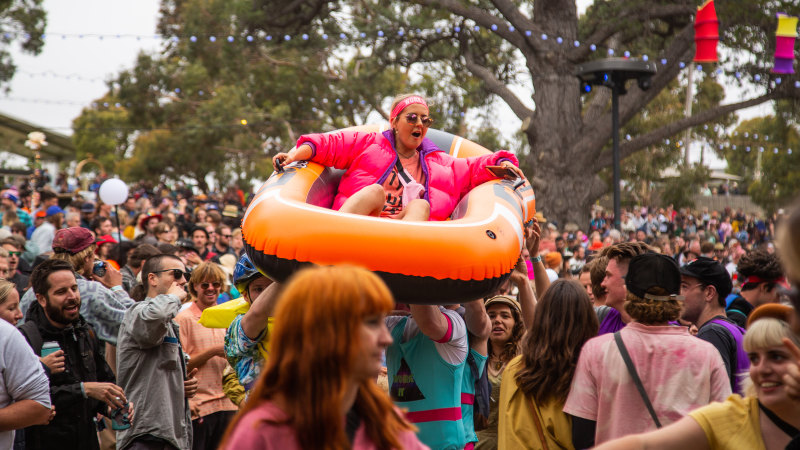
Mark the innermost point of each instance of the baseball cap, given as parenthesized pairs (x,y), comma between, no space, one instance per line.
(651,270)
(53,210)
(87,207)
(72,240)
(503,300)
(186,244)
(105,239)
(710,272)
(9,194)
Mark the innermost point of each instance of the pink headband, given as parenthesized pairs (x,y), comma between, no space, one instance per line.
(406,102)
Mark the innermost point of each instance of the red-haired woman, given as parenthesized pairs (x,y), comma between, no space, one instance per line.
(318,388)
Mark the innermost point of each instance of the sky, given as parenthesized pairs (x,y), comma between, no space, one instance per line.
(51,89)
(42,94)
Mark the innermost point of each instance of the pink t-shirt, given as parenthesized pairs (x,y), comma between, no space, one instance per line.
(254,433)
(679,372)
(195,339)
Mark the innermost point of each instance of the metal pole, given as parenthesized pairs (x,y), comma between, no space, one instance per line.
(119,230)
(615,145)
(688,113)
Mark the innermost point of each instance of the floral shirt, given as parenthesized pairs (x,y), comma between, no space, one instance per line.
(244,354)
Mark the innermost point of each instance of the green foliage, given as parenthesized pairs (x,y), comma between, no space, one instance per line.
(284,88)
(679,191)
(103,134)
(771,179)
(188,105)
(22,21)
(644,170)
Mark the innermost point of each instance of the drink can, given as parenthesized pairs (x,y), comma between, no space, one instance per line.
(50,347)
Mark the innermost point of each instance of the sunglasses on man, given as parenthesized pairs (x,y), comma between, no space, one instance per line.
(412,118)
(176,273)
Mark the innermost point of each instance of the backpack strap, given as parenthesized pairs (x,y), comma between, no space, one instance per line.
(636,380)
(482,389)
(602,312)
(537,421)
(32,335)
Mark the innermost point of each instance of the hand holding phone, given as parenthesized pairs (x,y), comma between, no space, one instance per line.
(501,172)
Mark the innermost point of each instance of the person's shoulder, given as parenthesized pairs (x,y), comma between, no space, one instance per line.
(700,348)
(258,429)
(735,409)
(715,325)
(592,347)
(87,286)
(513,366)
(710,329)
(10,335)
(266,414)
(185,316)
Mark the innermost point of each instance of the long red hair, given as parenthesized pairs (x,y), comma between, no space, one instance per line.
(314,345)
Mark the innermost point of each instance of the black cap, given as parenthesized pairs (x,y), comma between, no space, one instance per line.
(186,244)
(711,272)
(654,270)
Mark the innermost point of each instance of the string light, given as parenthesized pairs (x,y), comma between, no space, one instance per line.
(345,37)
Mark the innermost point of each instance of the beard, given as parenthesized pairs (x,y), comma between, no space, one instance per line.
(56,314)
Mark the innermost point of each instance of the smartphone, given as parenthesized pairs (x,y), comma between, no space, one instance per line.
(501,172)
(99,268)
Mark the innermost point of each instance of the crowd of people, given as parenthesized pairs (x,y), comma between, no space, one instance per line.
(147,326)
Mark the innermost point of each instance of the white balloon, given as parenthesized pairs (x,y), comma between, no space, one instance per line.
(113,191)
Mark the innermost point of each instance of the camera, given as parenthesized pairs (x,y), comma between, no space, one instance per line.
(99,268)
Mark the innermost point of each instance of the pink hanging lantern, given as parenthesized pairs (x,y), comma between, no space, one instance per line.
(785,36)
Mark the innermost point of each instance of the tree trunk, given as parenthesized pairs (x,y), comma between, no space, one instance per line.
(564,183)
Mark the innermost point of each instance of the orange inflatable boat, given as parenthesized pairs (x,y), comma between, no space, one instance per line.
(289,224)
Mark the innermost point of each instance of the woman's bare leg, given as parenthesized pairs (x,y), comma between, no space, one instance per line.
(418,210)
(366,202)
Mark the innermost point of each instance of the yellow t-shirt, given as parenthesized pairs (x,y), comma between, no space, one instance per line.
(732,424)
(517,430)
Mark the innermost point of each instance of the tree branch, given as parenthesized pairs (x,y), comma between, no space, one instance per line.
(596,130)
(493,85)
(645,11)
(597,106)
(628,148)
(486,20)
(520,22)
(681,49)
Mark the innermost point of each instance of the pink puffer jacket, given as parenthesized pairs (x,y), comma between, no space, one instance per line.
(368,159)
